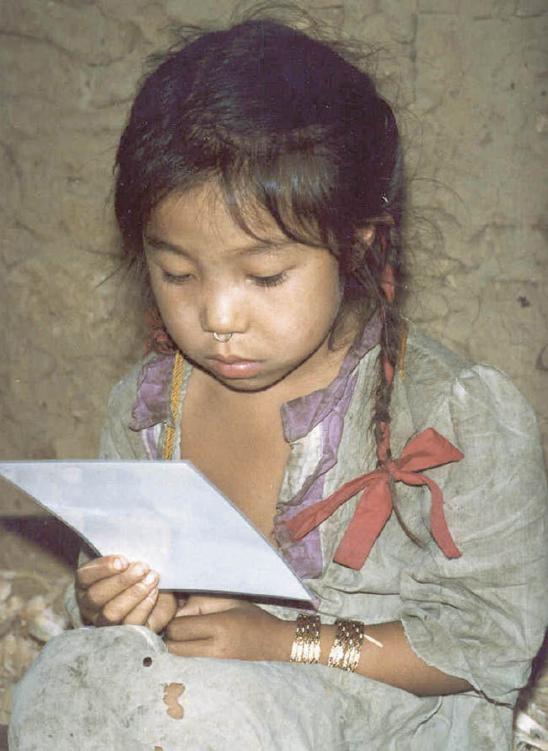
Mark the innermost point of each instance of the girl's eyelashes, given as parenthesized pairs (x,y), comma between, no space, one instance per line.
(270,281)
(261,281)
(175,278)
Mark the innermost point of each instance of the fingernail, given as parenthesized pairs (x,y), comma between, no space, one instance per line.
(139,569)
(150,577)
(120,563)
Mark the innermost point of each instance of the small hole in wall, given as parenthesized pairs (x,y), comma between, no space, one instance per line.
(147,662)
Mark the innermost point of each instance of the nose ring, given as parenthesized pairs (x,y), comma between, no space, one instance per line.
(221,337)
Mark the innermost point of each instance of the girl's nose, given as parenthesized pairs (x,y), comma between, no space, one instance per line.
(222,309)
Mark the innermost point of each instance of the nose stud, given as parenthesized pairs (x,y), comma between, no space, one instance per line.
(221,337)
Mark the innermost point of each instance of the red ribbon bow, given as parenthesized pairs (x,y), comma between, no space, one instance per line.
(425,450)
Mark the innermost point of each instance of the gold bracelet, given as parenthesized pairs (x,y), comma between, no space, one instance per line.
(346,649)
(306,645)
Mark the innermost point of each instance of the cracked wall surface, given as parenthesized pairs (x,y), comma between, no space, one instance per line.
(469,83)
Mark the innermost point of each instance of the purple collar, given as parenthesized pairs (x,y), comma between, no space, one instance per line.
(153,386)
(301,415)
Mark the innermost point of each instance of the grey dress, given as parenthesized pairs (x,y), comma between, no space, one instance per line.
(480,617)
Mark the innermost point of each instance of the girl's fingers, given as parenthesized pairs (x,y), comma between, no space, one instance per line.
(100,568)
(204,604)
(98,594)
(119,607)
(163,612)
(191,628)
(140,614)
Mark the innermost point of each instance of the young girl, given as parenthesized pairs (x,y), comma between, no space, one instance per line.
(260,192)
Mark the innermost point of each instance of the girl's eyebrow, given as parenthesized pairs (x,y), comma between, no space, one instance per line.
(262,246)
(156,243)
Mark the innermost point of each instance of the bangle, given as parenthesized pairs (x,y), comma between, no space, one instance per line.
(345,652)
(306,645)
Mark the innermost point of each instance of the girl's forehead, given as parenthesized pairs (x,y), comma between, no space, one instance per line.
(203,210)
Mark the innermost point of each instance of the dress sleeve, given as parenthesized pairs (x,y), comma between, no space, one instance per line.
(482,616)
(117,440)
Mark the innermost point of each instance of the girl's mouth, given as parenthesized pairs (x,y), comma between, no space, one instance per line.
(233,367)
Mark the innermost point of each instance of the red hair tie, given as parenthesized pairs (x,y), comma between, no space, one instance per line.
(387,283)
(158,340)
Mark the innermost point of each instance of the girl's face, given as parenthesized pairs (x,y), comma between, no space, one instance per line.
(278,299)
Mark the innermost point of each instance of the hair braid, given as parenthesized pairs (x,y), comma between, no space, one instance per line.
(387,362)
(392,351)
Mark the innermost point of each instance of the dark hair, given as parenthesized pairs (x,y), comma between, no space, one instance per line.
(283,122)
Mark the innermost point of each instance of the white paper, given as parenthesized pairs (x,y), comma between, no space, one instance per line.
(166,514)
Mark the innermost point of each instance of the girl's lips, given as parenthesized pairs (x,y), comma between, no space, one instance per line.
(233,367)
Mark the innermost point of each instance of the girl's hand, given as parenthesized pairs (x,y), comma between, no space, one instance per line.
(240,631)
(110,591)
(204,604)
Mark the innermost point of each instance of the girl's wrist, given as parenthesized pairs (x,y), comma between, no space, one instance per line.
(311,640)
(338,645)
(279,647)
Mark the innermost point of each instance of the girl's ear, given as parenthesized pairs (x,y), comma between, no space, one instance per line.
(367,237)
(367,234)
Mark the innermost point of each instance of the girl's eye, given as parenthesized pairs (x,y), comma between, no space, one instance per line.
(270,281)
(175,278)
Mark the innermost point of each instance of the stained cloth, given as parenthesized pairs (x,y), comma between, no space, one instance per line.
(480,616)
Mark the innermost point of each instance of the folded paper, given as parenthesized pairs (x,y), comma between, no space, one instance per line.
(166,514)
